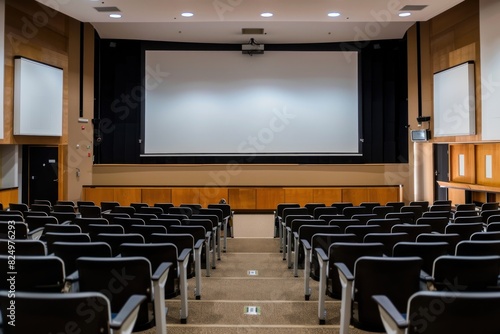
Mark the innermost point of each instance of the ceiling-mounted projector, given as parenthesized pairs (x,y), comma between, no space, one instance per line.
(252,48)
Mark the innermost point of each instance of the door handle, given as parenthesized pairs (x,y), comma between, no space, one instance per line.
(55,180)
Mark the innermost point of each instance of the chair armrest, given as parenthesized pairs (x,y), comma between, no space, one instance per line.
(128,313)
(184,254)
(295,235)
(36,233)
(198,244)
(425,277)
(321,254)
(162,269)
(306,244)
(390,315)
(344,271)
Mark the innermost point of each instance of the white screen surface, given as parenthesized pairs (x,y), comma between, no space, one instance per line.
(227,103)
(454,101)
(38,99)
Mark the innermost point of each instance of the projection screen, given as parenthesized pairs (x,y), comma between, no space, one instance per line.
(217,103)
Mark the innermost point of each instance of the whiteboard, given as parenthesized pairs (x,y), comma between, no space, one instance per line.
(454,101)
(38,98)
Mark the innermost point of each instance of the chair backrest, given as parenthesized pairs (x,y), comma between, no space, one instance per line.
(423,204)
(427,251)
(470,219)
(396,277)
(20,230)
(41,207)
(489,206)
(361,230)
(33,273)
(466,207)
(396,205)
(23,247)
(300,211)
(60,317)
(404,217)
(138,205)
(290,218)
(442,202)
(43,201)
(348,253)
(179,217)
(70,251)
(59,228)
(297,223)
(451,238)
(35,222)
(446,214)
(493,227)
(341,205)
(306,232)
(486,214)
(66,203)
(146,217)
(89,211)
(12,215)
(493,219)
(354,210)
(369,205)
(115,240)
(281,206)
(128,222)
(63,208)
(466,273)
(210,212)
(343,223)
(365,217)
(438,224)
(108,205)
(466,213)
(129,210)
(94,230)
(381,210)
(324,210)
(163,206)
(127,276)
(84,222)
(147,230)
(157,253)
(385,224)
(52,237)
(198,232)
(485,236)
(63,217)
(465,230)
(416,209)
(412,230)
(440,207)
(22,207)
(459,313)
(311,206)
(195,207)
(165,222)
(387,239)
(181,210)
(478,248)
(205,223)
(226,209)
(32,213)
(80,203)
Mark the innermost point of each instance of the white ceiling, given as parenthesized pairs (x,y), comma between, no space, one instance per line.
(221,21)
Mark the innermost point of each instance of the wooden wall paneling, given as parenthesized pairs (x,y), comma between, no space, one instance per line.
(185,196)
(99,194)
(456,196)
(156,195)
(479,196)
(242,198)
(483,150)
(299,195)
(125,196)
(269,198)
(212,195)
(9,196)
(467,150)
(355,195)
(383,195)
(327,195)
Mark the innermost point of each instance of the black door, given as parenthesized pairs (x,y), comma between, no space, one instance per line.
(440,170)
(42,173)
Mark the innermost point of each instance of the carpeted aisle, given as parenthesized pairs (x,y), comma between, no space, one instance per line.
(253,291)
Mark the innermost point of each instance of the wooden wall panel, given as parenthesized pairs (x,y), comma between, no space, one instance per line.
(9,196)
(242,198)
(98,195)
(327,195)
(211,195)
(269,198)
(156,195)
(482,151)
(185,196)
(469,167)
(383,195)
(299,195)
(456,196)
(479,196)
(355,195)
(125,196)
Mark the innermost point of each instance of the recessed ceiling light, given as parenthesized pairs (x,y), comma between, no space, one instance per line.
(266,14)
(187,14)
(115,16)
(333,14)
(404,14)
